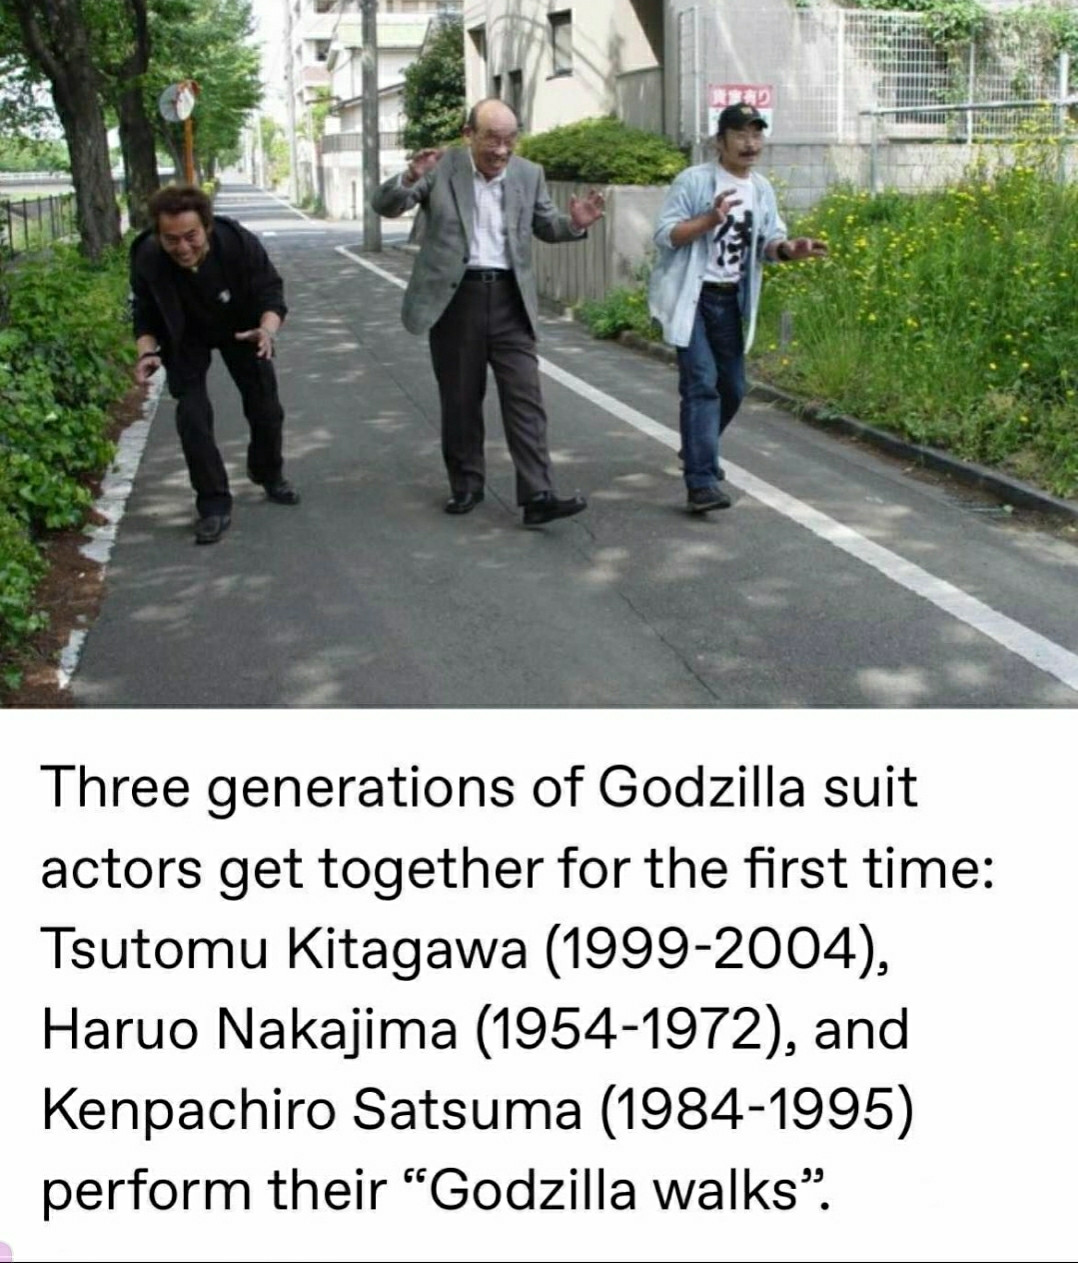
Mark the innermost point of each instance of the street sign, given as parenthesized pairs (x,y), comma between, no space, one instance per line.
(176,104)
(720,95)
(177,101)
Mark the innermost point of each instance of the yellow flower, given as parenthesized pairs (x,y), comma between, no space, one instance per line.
(991,368)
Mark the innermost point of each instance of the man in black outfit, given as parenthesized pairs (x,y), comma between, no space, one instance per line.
(201,282)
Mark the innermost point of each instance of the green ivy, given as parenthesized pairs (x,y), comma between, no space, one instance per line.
(954,22)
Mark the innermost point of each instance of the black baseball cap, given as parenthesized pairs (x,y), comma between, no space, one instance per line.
(739,115)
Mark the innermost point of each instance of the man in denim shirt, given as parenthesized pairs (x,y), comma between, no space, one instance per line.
(718,224)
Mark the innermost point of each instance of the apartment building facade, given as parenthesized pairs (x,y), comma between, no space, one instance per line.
(324,67)
(557,62)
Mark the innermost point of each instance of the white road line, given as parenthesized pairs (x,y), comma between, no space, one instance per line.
(294,209)
(1036,649)
(372,267)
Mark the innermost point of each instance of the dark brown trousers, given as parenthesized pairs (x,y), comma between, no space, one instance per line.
(486,323)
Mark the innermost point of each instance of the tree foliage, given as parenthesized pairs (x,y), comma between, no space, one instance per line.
(57,42)
(204,40)
(434,90)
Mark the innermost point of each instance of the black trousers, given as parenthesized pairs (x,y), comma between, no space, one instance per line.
(257,384)
(486,323)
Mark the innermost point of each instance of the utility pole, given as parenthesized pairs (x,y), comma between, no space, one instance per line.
(372,161)
(258,156)
(293,147)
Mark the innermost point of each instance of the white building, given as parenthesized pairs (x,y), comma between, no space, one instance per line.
(402,29)
(308,31)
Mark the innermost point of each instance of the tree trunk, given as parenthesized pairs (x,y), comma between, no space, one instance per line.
(136,129)
(140,154)
(96,210)
(56,38)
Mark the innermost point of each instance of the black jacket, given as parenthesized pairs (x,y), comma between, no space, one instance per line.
(254,282)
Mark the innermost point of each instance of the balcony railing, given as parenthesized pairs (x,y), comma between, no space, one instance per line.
(352,142)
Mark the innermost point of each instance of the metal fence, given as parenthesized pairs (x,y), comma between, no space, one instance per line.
(829,65)
(352,142)
(33,223)
(1031,132)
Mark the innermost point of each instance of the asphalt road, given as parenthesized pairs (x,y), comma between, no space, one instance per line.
(838,579)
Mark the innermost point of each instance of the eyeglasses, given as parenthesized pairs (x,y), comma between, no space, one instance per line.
(495,140)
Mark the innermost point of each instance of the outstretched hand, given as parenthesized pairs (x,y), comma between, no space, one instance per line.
(585,211)
(724,203)
(806,248)
(263,340)
(421,162)
(146,366)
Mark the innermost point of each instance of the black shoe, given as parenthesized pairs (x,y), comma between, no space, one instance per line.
(209,529)
(546,507)
(281,492)
(701,499)
(463,502)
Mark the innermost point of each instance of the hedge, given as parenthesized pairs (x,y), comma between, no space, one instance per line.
(604,151)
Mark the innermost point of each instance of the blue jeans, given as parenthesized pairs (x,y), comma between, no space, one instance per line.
(711,380)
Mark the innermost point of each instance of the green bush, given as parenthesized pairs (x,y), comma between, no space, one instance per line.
(946,316)
(64,355)
(624,309)
(604,151)
(21,568)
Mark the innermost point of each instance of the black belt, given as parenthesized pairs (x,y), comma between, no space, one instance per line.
(488,275)
(723,287)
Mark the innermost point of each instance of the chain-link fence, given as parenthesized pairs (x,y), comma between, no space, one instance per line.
(829,65)
(866,96)
(989,133)
(33,223)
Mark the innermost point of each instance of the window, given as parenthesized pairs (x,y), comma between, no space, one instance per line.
(321,49)
(516,90)
(496,87)
(561,40)
(478,36)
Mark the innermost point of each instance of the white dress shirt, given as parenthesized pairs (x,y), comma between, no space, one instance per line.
(488,245)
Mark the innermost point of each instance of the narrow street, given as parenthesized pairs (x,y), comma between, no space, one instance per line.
(836,580)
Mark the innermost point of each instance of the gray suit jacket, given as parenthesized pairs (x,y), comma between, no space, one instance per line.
(447,195)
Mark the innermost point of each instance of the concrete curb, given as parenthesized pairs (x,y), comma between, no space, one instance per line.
(1002,486)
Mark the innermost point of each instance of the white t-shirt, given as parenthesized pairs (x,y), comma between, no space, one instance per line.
(732,240)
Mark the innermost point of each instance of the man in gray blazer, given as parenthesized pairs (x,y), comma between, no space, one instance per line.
(472,290)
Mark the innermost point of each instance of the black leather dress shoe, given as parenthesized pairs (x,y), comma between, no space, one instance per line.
(281,492)
(209,529)
(546,507)
(463,502)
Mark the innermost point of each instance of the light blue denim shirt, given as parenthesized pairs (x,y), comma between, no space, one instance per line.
(678,274)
